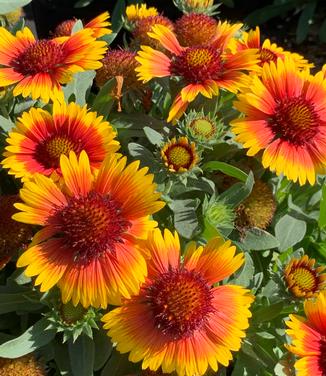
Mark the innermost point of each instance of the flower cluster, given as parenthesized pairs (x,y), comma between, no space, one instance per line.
(166,199)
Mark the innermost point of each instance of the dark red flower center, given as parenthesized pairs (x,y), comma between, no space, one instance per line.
(295,120)
(305,279)
(178,156)
(197,64)
(322,357)
(90,225)
(267,56)
(42,56)
(49,151)
(181,301)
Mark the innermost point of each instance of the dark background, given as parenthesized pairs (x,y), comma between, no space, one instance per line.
(296,25)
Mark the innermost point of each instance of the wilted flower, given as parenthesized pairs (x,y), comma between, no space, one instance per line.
(200,30)
(258,209)
(118,62)
(23,366)
(144,26)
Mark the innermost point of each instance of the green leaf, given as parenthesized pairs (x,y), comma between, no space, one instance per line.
(35,337)
(200,184)
(139,152)
(104,100)
(28,301)
(322,213)
(238,192)
(7,6)
(289,231)
(247,365)
(244,278)
(305,21)
(226,169)
(24,106)
(82,81)
(321,248)
(77,27)
(154,137)
(119,365)
(60,356)
(103,346)
(185,217)
(209,231)
(267,313)
(6,124)
(109,38)
(257,239)
(135,121)
(82,353)
(117,15)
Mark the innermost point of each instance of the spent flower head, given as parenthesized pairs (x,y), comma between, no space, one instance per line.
(258,209)
(23,366)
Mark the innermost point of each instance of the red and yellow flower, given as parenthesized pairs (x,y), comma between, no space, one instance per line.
(91,225)
(99,26)
(39,67)
(268,51)
(179,155)
(285,116)
(40,137)
(179,320)
(136,12)
(204,69)
(308,337)
(303,279)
